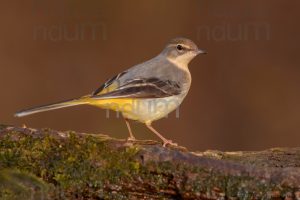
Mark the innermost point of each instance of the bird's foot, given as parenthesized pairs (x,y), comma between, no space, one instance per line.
(131,139)
(166,142)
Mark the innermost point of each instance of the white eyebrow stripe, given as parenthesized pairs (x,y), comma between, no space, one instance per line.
(183,45)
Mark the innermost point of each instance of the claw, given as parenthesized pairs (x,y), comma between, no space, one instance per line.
(131,139)
(169,142)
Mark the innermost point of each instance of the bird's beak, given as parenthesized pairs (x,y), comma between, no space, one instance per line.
(201,52)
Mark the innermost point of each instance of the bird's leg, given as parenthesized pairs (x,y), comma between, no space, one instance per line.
(165,141)
(131,136)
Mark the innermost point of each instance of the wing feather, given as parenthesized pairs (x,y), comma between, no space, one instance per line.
(109,85)
(142,88)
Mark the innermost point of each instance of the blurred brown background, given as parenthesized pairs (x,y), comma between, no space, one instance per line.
(245,92)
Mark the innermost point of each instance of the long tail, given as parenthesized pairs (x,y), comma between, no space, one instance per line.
(64,104)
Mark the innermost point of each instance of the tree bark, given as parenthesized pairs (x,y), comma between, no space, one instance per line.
(48,164)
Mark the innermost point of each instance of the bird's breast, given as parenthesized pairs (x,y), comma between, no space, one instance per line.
(142,110)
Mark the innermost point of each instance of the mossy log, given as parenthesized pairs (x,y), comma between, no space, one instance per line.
(48,164)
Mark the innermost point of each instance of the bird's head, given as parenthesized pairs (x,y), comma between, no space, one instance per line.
(181,51)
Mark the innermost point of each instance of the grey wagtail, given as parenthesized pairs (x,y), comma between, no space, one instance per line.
(146,92)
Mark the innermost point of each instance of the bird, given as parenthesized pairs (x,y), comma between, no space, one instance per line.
(145,92)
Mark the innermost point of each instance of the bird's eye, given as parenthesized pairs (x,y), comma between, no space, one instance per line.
(179,47)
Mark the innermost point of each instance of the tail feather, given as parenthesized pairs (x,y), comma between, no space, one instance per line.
(64,104)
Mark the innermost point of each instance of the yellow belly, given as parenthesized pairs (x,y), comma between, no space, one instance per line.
(143,110)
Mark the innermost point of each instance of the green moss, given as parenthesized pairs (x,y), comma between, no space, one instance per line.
(70,164)
(15,184)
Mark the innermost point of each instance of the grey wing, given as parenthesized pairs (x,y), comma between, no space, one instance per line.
(141,88)
(155,78)
(109,83)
